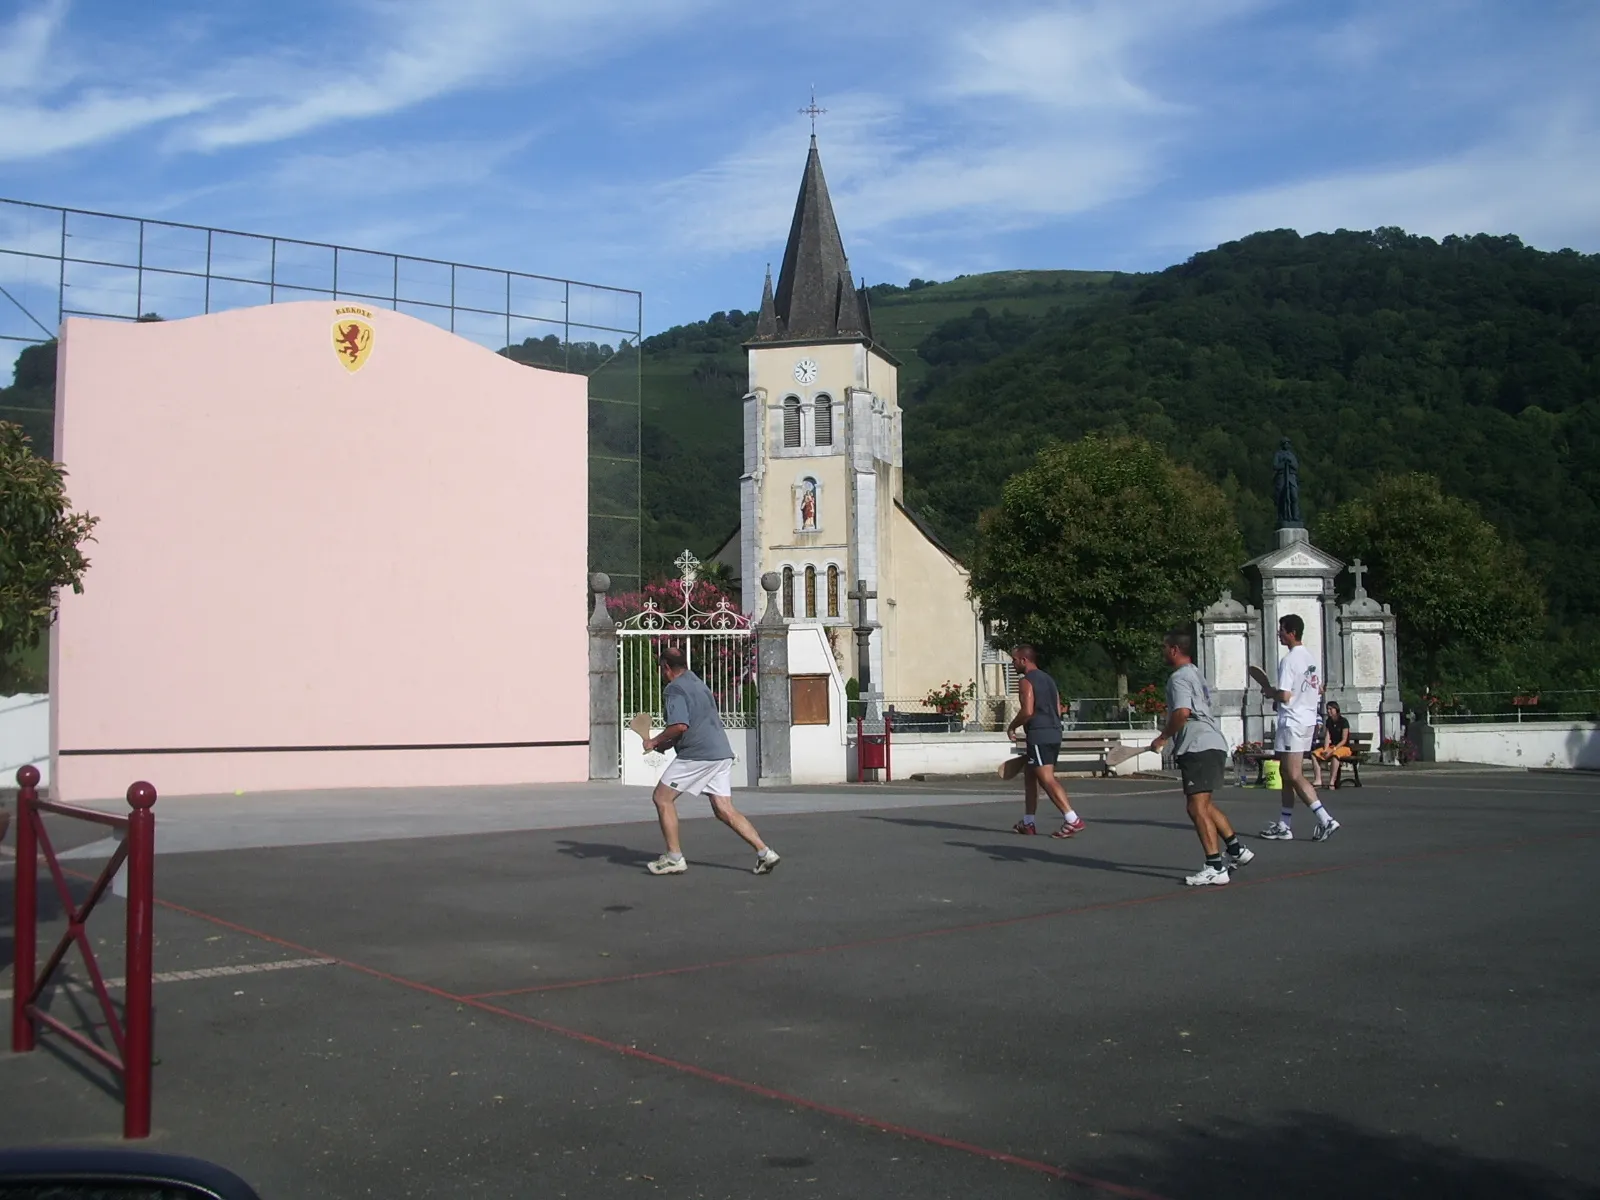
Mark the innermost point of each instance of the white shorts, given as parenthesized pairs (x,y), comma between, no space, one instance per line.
(699,778)
(1290,738)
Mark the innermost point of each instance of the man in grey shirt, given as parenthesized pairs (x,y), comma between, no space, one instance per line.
(1201,753)
(704,765)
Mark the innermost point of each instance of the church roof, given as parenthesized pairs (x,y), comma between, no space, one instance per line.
(816,299)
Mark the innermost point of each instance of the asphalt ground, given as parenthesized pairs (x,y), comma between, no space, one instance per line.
(917,1003)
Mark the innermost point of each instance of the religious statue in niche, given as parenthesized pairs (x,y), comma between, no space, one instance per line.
(805,505)
(1286,486)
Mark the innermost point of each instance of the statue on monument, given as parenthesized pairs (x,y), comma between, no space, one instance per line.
(1286,486)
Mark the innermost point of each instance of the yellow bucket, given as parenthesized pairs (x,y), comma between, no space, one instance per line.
(1269,774)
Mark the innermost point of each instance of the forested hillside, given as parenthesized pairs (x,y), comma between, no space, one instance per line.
(1476,360)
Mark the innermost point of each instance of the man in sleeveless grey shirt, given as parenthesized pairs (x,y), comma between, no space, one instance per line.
(1039,717)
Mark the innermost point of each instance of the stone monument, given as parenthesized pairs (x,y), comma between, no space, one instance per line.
(1354,643)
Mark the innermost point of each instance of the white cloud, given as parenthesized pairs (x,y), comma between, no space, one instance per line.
(25,45)
(31,130)
(438,47)
(1541,183)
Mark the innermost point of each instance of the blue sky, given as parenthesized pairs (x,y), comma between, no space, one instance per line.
(656,144)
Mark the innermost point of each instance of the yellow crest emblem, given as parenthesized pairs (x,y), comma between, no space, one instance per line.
(352,337)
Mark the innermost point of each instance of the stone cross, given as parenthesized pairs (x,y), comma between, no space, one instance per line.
(863,628)
(1357,570)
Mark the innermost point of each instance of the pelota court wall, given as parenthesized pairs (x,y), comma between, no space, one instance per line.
(311,576)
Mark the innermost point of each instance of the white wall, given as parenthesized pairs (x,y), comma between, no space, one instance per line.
(24,736)
(1513,744)
(817,752)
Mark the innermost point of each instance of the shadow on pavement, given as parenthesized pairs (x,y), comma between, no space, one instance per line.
(1311,1156)
(627,856)
(1012,852)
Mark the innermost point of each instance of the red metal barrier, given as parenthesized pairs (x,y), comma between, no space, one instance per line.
(132,1034)
(872,749)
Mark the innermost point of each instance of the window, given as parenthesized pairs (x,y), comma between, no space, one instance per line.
(822,422)
(811,591)
(788,591)
(791,421)
(833,591)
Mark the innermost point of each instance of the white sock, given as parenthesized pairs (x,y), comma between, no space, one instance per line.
(763,852)
(1027,818)
(1323,816)
(1070,817)
(675,855)
(1285,817)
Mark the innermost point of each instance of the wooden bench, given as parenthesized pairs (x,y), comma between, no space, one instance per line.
(1360,748)
(1092,744)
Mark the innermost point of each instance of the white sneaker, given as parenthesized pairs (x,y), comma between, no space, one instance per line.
(1238,860)
(667,865)
(1277,832)
(1323,832)
(766,860)
(1208,876)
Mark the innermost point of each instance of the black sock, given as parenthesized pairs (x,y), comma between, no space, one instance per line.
(1233,845)
(1214,861)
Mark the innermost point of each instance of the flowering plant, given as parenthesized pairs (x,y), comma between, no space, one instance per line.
(1251,750)
(949,699)
(1149,700)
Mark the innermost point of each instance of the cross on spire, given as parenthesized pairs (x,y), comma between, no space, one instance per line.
(811,110)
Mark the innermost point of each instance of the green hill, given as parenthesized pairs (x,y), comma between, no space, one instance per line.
(1475,359)
(694,376)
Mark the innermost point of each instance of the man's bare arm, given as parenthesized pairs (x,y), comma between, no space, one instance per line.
(667,738)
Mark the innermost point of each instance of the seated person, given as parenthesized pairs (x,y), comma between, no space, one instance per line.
(1335,747)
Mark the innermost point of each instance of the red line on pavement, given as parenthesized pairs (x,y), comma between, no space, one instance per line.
(686,1068)
(868,1122)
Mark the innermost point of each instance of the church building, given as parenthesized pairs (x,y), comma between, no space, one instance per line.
(821,500)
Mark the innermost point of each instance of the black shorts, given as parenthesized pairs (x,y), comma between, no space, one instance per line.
(1043,754)
(1202,771)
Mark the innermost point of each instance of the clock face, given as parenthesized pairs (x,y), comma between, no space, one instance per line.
(805,371)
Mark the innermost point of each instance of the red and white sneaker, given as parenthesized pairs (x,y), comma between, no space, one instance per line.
(1025,827)
(1069,829)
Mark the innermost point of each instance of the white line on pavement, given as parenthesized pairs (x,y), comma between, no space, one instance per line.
(286,964)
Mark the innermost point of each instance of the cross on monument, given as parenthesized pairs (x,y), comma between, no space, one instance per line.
(1357,570)
(812,111)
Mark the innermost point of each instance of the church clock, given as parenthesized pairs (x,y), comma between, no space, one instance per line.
(805,371)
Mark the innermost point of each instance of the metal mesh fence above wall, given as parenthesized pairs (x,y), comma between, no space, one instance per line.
(62,262)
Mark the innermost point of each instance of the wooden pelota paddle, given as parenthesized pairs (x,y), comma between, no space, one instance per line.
(640,723)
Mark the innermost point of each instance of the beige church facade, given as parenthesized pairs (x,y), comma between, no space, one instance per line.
(821,496)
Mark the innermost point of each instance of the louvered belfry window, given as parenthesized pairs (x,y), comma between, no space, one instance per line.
(811,591)
(822,420)
(833,591)
(788,591)
(791,421)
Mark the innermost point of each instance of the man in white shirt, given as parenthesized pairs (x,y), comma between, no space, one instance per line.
(1296,694)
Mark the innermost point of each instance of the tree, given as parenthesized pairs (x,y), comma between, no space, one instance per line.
(39,542)
(1108,541)
(1451,576)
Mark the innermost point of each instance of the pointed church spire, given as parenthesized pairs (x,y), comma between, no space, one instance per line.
(807,300)
(767,322)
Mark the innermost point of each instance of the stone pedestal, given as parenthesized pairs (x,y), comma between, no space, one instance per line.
(1369,692)
(772,686)
(1296,578)
(1229,640)
(605,717)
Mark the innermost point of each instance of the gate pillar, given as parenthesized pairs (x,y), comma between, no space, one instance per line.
(772,686)
(605,719)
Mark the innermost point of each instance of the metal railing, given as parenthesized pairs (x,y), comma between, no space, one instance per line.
(132,1040)
(63,262)
(1529,704)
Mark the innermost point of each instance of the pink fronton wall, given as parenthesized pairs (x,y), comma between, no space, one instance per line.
(306,576)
